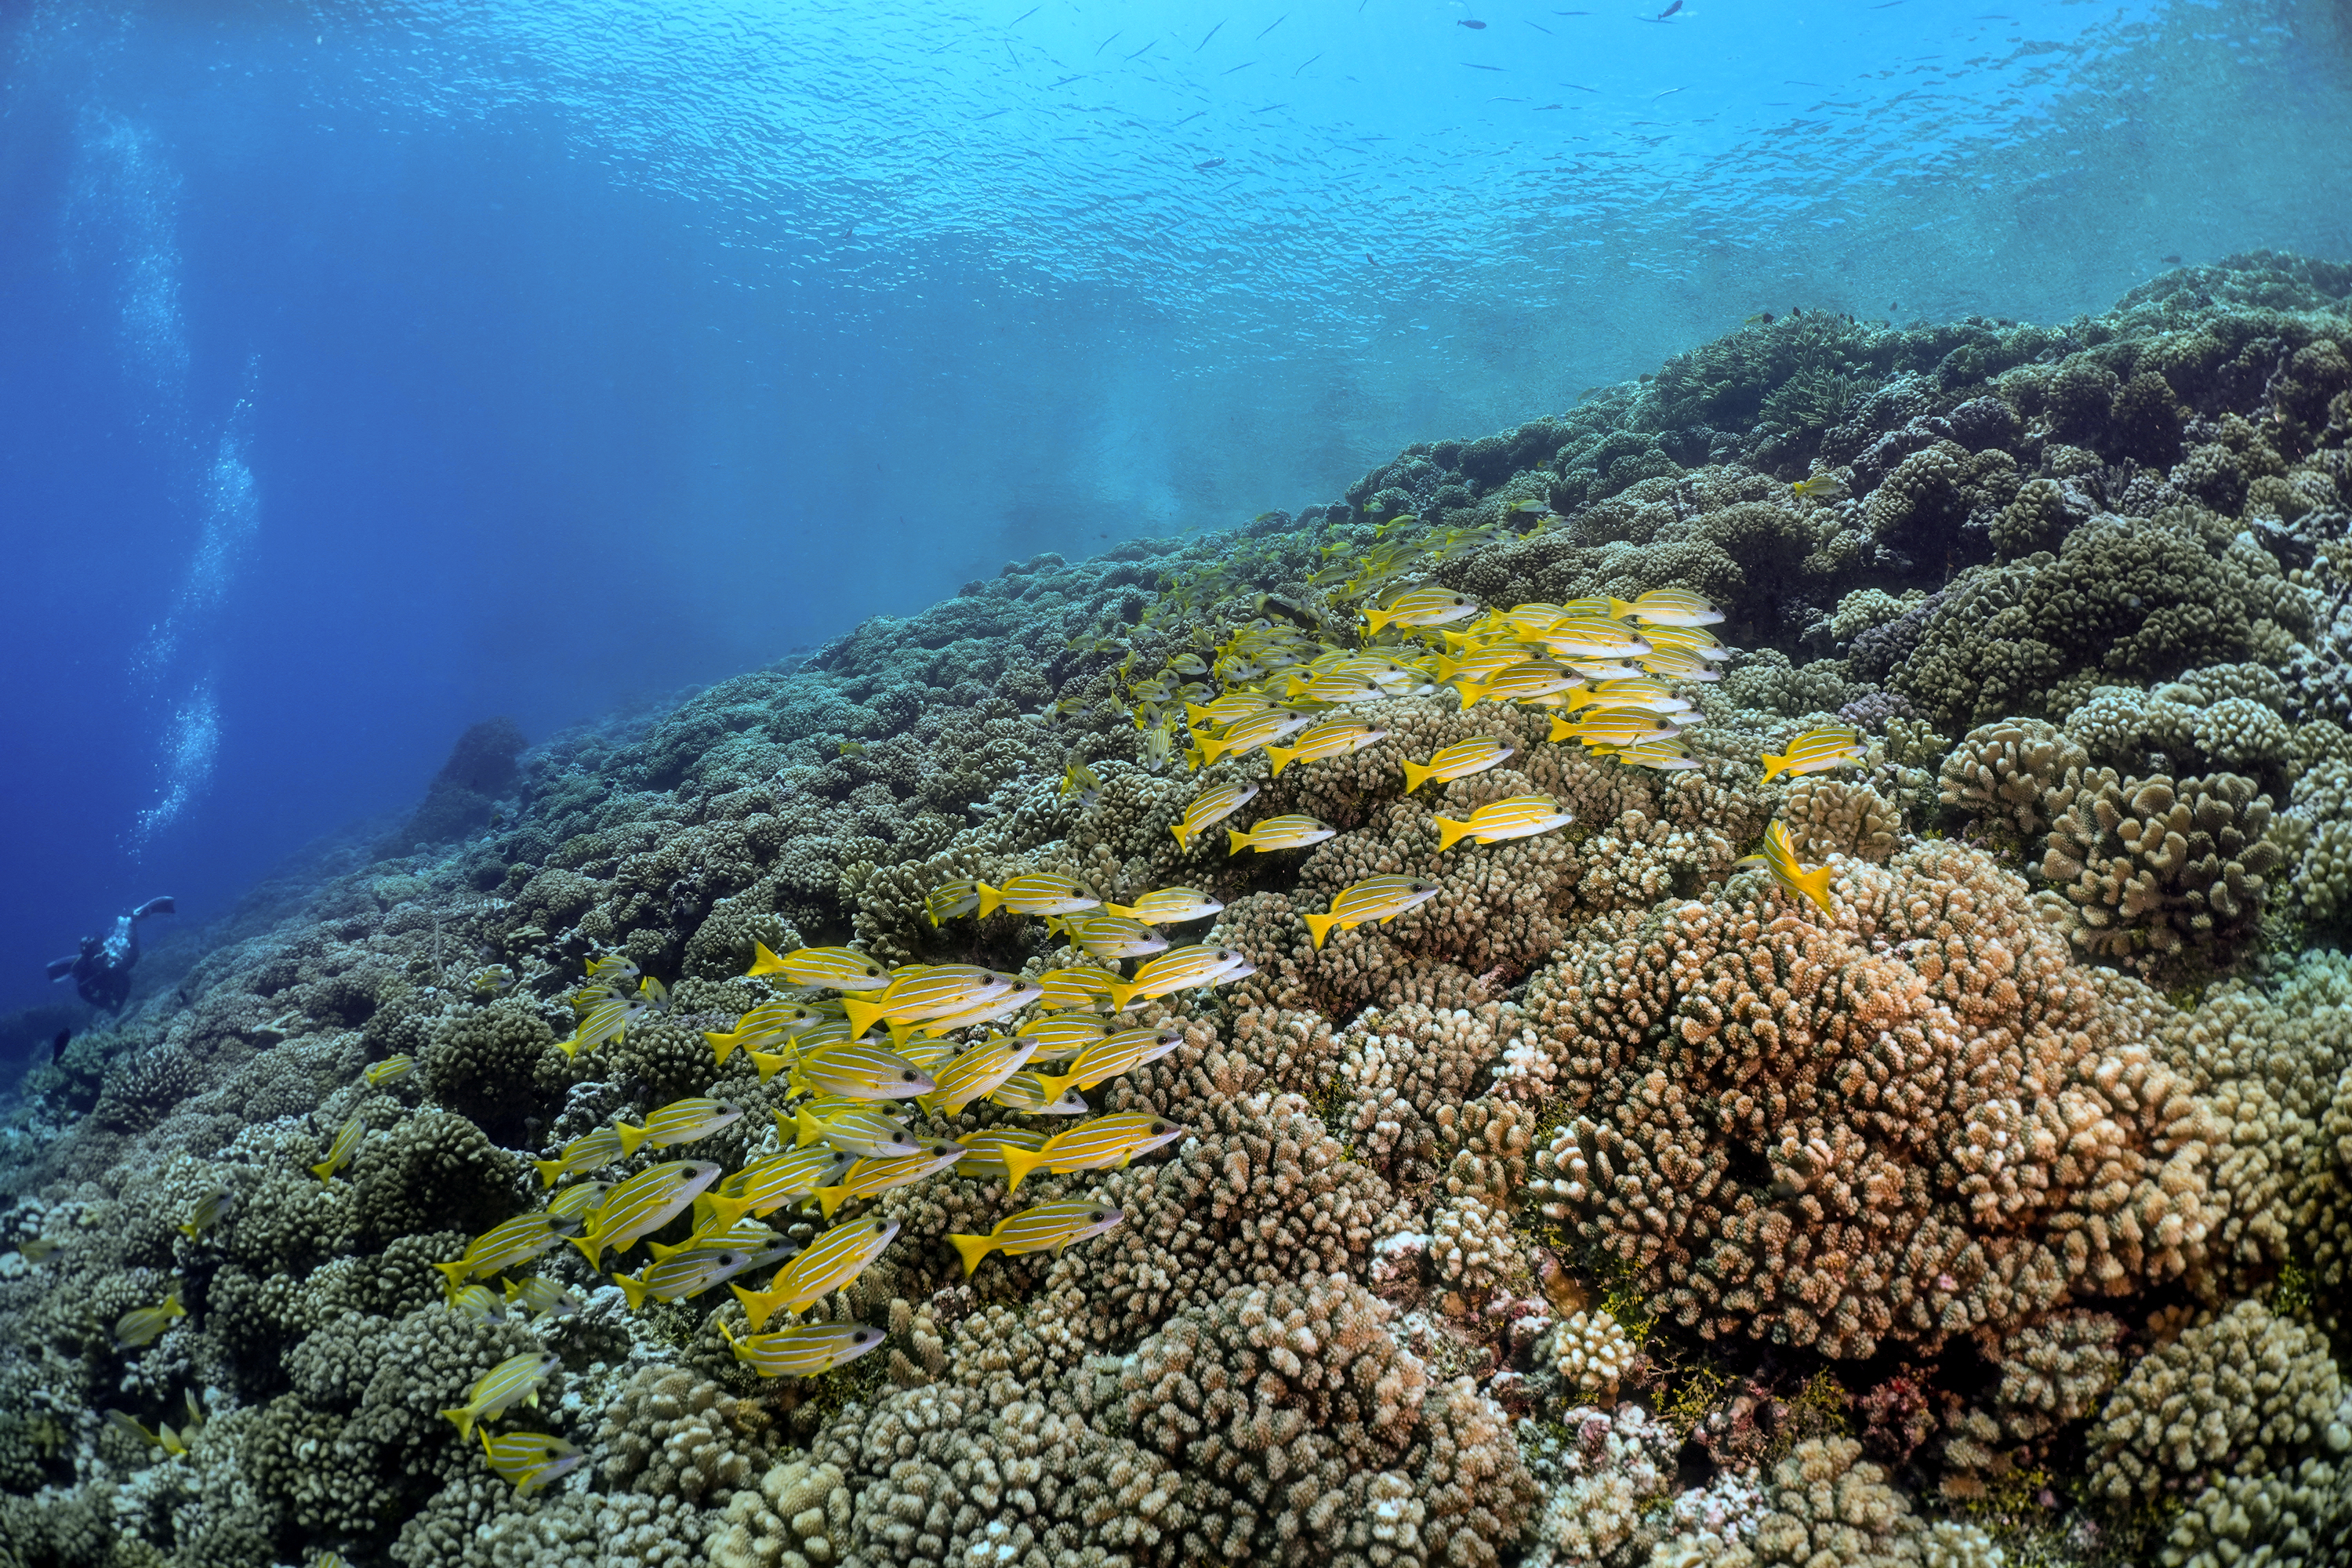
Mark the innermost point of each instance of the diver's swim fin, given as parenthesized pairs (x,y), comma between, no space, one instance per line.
(61,967)
(154,907)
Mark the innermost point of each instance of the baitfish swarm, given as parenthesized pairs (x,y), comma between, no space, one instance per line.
(1785,923)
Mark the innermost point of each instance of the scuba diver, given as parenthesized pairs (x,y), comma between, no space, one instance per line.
(101,971)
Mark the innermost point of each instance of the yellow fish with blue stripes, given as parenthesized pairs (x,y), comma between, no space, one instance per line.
(1092,1145)
(680,1121)
(1518,817)
(837,968)
(1045,1227)
(1794,878)
(1381,899)
(643,1204)
(831,1261)
(340,1151)
(514,1381)
(805,1350)
(531,1460)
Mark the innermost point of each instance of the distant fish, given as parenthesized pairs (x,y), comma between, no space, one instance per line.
(2167,260)
(58,1046)
(1669,10)
(1277,22)
(1474,26)
(1205,42)
(1820,487)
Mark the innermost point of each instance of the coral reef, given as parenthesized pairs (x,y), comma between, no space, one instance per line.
(1615,1202)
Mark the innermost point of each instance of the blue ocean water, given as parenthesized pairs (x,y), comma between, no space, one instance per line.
(368,370)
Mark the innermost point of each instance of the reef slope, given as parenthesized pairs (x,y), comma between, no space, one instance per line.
(1610,1206)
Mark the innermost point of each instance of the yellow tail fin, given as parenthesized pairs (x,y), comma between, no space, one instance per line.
(723,1211)
(1773,767)
(805,1129)
(1019,1163)
(453,1277)
(763,961)
(971,1249)
(1125,911)
(1234,840)
(548,1171)
(1120,995)
(464,1416)
(592,1247)
(514,1288)
(722,1046)
(1282,757)
(635,1290)
(765,1063)
(1471,693)
(1815,885)
(989,899)
(1415,775)
(630,1138)
(1373,621)
(861,1016)
(1560,729)
(324,1169)
(1448,830)
(1320,926)
(1183,837)
(1195,714)
(758,1305)
(831,1198)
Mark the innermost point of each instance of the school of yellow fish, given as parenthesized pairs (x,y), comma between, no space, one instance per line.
(854,1037)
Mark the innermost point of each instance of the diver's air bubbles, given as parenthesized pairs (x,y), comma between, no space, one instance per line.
(190,745)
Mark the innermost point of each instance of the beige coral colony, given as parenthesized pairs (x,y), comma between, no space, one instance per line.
(1838,1052)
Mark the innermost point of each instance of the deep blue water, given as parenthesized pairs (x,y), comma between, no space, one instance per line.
(367,370)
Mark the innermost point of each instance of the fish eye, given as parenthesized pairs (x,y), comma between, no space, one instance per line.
(1096,1216)
(1159,1127)
(858,1338)
(909,1076)
(555,1453)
